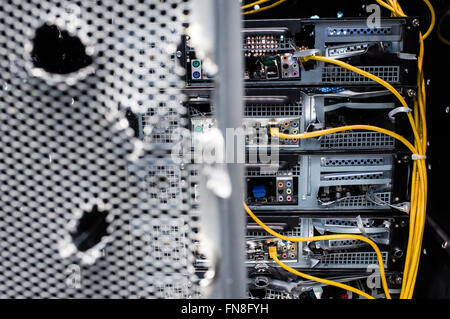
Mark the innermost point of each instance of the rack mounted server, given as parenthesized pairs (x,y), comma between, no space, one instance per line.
(352,182)
(271,49)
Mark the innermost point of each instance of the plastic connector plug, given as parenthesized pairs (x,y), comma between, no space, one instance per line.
(273,252)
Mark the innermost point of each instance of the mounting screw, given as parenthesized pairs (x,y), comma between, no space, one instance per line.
(415,22)
(398,280)
(398,253)
(178,54)
(411,92)
(445,244)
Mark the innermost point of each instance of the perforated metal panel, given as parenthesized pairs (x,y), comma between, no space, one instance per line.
(351,259)
(295,171)
(361,201)
(357,140)
(335,74)
(67,151)
(255,110)
(351,161)
(346,31)
(295,232)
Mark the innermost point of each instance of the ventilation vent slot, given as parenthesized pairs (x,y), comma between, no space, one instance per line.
(161,132)
(348,222)
(361,201)
(167,244)
(347,243)
(256,110)
(351,243)
(351,176)
(336,74)
(332,162)
(357,140)
(295,232)
(162,184)
(335,31)
(351,260)
(252,172)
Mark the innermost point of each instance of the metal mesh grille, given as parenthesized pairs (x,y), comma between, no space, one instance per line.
(336,74)
(351,243)
(343,31)
(66,149)
(332,162)
(354,176)
(162,132)
(163,184)
(272,110)
(351,259)
(357,140)
(345,243)
(367,223)
(361,201)
(295,171)
(295,232)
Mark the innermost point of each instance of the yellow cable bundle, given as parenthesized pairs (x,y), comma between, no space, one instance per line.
(419,183)
(418,212)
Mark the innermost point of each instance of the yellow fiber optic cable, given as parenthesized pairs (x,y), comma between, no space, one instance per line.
(264,8)
(273,255)
(253,4)
(327,237)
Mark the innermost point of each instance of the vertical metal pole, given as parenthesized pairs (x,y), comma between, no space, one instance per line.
(231,277)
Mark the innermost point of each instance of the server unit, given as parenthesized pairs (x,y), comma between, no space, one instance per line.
(272,48)
(350,182)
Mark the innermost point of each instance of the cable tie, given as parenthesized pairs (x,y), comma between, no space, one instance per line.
(398,110)
(416,157)
(404,207)
(360,226)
